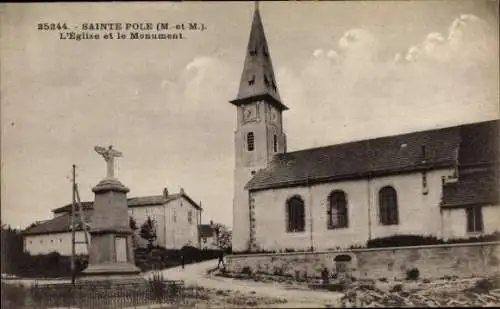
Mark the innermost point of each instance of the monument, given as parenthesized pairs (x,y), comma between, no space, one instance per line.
(111,254)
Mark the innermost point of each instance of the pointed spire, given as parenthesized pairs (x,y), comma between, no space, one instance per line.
(257,78)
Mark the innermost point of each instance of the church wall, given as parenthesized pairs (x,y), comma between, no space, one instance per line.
(59,242)
(433,262)
(455,222)
(419,213)
(414,209)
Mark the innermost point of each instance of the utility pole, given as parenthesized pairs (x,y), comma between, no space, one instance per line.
(73,209)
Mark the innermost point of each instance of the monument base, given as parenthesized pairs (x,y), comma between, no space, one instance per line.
(116,272)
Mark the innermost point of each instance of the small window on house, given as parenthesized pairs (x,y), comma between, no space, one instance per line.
(190,217)
(388,206)
(275,143)
(250,141)
(31,242)
(174,216)
(295,211)
(60,239)
(52,241)
(474,219)
(337,210)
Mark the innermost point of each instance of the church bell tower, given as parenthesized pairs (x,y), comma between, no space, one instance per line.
(259,131)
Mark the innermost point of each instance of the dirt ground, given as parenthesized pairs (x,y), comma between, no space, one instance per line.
(448,292)
(471,292)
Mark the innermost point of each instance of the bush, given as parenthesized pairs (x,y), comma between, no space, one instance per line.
(483,286)
(397,288)
(412,274)
(420,240)
(161,258)
(246,270)
(52,265)
(402,240)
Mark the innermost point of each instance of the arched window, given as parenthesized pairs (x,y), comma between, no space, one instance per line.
(337,210)
(275,143)
(250,141)
(388,206)
(295,214)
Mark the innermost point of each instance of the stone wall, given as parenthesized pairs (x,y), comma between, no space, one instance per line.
(462,260)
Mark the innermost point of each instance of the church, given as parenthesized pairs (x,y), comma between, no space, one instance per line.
(441,182)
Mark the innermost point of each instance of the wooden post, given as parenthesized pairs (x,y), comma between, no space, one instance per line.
(73,229)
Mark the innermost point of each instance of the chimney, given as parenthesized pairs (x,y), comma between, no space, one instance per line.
(211,223)
(182,191)
(165,193)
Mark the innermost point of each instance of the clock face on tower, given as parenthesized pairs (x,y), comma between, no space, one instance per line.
(249,112)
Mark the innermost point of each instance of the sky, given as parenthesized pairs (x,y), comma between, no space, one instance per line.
(347,71)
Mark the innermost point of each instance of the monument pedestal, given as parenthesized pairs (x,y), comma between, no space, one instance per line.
(111,254)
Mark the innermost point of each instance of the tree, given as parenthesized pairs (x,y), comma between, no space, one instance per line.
(132,223)
(148,231)
(223,236)
(133,226)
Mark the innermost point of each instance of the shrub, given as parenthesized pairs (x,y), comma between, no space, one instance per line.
(402,240)
(383,279)
(412,274)
(246,270)
(485,285)
(397,288)
(421,240)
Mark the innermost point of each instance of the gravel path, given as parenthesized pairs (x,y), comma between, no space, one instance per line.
(196,274)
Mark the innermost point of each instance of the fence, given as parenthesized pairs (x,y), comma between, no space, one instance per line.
(109,296)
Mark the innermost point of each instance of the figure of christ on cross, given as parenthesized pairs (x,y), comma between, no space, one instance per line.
(109,156)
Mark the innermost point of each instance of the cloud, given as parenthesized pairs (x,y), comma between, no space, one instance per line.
(468,40)
(445,79)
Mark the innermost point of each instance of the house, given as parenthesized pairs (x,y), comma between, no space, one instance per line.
(440,182)
(208,237)
(176,216)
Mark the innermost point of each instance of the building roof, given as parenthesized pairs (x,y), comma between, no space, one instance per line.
(206,230)
(475,187)
(257,77)
(59,224)
(381,156)
(140,201)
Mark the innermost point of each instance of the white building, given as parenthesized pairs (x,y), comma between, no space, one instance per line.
(177,219)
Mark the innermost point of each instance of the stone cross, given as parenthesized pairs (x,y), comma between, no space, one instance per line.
(109,156)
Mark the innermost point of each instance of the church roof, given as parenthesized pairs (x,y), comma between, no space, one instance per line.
(140,201)
(257,79)
(380,156)
(475,187)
